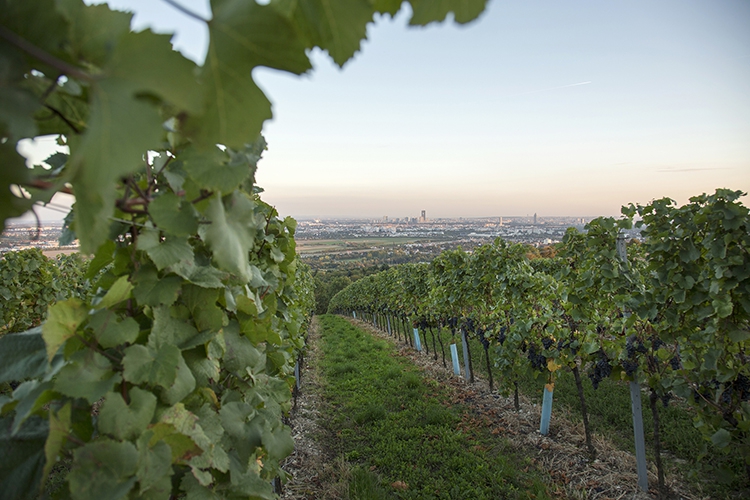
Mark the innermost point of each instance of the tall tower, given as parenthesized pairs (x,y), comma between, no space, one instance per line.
(535,219)
(423,218)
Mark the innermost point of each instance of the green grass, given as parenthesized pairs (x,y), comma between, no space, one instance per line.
(610,415)
(395,430)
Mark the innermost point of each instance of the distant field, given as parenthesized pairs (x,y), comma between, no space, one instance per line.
(308,247)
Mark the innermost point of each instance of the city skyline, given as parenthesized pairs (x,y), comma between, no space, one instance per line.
(548,107)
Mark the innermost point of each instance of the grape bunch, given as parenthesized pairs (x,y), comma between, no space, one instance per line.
(630,367)
(675,362)
(483,339)
(602,369)
(501,335)
(547,342)
(665,399)
(538,362)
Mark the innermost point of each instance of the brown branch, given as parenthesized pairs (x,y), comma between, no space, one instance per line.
(204,196)
(187,11)
(44,185)
(63,118)
(43,55)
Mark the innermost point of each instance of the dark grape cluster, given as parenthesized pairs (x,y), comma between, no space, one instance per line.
(630,367)
(602,369)
(538,362)
(501,335)
(469,325)
(675,362)
(547,342)
(483,339)
(656,343)
(665,399)
(452,322)
(634,345)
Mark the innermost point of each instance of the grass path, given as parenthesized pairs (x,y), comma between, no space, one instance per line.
(399,434)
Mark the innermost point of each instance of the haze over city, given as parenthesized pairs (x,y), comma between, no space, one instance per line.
(556,108)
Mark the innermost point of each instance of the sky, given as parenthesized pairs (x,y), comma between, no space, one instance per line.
(552,107)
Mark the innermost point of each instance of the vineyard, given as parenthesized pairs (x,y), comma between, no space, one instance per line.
(163,369)
(162,364)
(670,315)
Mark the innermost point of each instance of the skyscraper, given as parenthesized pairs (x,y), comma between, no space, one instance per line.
(535,219)
(423,217)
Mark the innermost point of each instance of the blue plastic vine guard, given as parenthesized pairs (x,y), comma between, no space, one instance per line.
(546,411)
(454,356)
(417,342)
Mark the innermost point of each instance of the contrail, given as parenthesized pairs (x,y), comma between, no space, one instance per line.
(552,88)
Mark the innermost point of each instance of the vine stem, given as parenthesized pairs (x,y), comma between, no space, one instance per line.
(43,55)
(187,11)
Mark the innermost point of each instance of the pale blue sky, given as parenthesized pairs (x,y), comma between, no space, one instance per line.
(555,107)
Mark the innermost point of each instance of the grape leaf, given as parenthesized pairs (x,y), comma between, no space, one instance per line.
(152,291)
(22,355)
(118,291)
(184,384)
(59,428)
(337,26)
(428,11)
(243,35)
(154,466)
(156,367)
(62,322)
(93,29)
(110,332)
(231,234)
(126,421)
(22,458)
(103,470)
(173,215)
(12,171)
(88,375)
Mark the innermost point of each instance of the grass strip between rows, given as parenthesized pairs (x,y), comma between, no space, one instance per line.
(395,428)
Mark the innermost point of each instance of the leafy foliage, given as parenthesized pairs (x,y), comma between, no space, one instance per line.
(198,303)
(672,316)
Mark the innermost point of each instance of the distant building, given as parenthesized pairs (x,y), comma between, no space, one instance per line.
(535,219)
(423,217)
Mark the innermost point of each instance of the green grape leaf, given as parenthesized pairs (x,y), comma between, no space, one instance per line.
(156,367)
(17,108)
(169,330)
(103,470)
(721,438)
(214,171)
(22,458)
(59,428)
(22,355)
(243,35)
(150,290)
(109,332)
(248,482)
(88,375)
(202,303)
(387,6)
(277,440)
(337,26)
(183,385)
(231,234)
(94,29)
(171,251)
(183,448)
(186,422)
(118,291)
(428,11)
(123,124)
(204,276)
(154,466)
(173,215)
(63,320)
(125,421)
